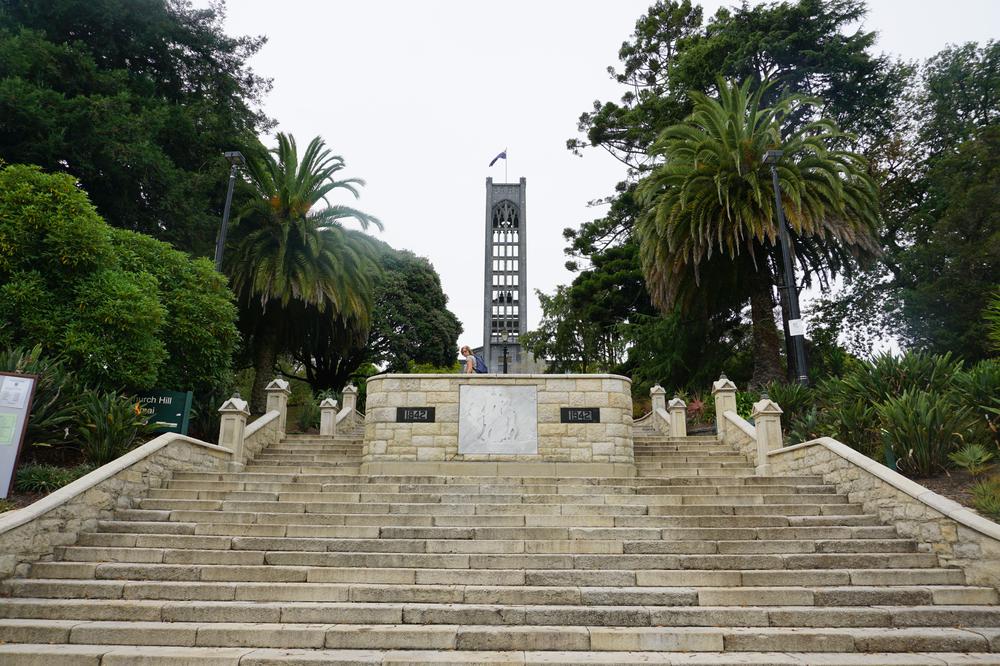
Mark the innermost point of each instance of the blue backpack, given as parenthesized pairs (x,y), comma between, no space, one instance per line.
(480,365)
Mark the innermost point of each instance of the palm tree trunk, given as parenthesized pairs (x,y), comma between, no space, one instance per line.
(265,357)
(766,357)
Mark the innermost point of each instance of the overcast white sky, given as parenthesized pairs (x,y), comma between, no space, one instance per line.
(419,97)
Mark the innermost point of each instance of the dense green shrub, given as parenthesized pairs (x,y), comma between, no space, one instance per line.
(986,497)
(921,428)
(745,401)
(112,304)
(110,426)
(55,403)
(794,400)
(46,478)
(974,458)
(979,388)
(309,415)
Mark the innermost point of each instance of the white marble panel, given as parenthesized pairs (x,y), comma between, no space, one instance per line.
(498,419)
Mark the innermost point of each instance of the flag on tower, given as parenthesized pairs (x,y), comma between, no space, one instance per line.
(501,156)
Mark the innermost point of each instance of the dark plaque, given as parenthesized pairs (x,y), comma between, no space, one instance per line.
(579,414)
(414,415)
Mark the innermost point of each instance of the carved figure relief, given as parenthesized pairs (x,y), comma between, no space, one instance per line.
(498,420)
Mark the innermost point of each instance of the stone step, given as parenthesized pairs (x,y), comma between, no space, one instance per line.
(53,576)
(305,603)
(447,560)
(25,654)
(148,535)
(667,495)
(560,544)
(494,637)
(339,477)
(586,595)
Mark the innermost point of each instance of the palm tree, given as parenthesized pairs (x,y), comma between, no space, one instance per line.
(291,257)
(708,220)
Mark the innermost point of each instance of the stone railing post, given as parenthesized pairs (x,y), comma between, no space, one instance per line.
(328,417)
(277,401)
(678,417)
(232,425)
(659,399)
(767,420)
(724,393)
(350,396)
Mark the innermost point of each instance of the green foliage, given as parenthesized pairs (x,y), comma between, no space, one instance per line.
(922,428)
(112,303)
(110,427)
(709,221)
(744,403)
(974,458)
(291,263)
(55,402)
(569,341)
(986,497)
(430,369)
(794,400)
(992,316)
(135,99)
(947,271)
(979,387)
(199,324)
(46,478)
(807,426)
(7,505)
(309,415)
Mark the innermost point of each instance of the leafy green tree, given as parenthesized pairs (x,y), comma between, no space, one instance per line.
(568,341)
(710,223)
(291,259)
(137,99)
(808,47)
(112,304)
(410,324)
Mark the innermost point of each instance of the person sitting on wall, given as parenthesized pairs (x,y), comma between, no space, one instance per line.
(473,363)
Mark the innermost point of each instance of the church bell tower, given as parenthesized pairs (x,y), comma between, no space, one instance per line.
(505,285)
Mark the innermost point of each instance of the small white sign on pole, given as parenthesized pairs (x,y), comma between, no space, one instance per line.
(796,327)
(16,392)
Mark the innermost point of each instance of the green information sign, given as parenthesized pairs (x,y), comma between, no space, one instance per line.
(169,410)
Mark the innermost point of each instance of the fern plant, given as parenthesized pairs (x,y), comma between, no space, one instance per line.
(974,458)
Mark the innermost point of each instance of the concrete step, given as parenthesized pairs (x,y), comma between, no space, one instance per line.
(540,606)
(53,576)
(449,560)
(419,636)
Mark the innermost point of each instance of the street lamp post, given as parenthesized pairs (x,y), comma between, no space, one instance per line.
(236,160)
(505,338)
(796,329)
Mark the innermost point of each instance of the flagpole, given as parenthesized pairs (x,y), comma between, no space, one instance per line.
(505,160)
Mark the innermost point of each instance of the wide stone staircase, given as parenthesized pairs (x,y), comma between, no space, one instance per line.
(300,559)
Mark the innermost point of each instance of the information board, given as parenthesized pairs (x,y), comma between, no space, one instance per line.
(169,410)
(16,392)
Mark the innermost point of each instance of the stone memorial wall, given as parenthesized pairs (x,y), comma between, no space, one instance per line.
(498,418)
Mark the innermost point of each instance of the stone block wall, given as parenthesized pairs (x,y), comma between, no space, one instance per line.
(609,441)
(30,534)
(740,434)
(959,536)
(260,434)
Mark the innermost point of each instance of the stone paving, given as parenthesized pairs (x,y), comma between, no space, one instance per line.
(301,559)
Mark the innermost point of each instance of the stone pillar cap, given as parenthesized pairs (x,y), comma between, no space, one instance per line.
(676,403)
(657,390)
(278,384)
(235,405)
(328,402)
(766,406)
(350,388)
(723,383)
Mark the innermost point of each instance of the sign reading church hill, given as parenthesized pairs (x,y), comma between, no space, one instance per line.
(170,411)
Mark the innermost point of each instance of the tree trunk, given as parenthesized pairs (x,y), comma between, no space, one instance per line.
(265,357)
(766,357)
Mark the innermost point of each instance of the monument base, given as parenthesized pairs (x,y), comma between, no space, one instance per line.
(490,420)
(500,469)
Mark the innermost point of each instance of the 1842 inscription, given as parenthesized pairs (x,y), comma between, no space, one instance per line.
(579,414)
(414,415)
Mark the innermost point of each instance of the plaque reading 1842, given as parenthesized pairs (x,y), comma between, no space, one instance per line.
(414,415)
(579,414)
